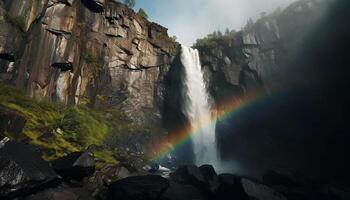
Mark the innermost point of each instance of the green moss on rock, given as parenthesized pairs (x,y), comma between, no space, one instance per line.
(17,21)
(56,129)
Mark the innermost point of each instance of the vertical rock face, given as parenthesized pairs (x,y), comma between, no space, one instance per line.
(94,52)
(256,58)
(263,58)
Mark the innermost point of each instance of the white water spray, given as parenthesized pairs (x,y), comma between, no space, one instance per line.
(197,108)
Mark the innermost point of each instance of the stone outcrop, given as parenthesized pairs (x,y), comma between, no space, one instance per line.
(256,59)
(76,165)
(252,70)
(99,53)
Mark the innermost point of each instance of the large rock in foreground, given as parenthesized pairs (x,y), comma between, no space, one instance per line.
(138,188)
(76,165)
(189,174)
(241,188)
(22,170)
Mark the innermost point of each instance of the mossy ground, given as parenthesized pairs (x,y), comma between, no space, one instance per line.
(60,129)
(57,129)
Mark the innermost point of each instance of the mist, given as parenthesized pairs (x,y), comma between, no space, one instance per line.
(190,20)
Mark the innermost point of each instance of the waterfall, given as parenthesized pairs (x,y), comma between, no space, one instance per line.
(197,109)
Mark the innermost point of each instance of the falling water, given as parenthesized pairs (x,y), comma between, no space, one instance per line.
(197,109)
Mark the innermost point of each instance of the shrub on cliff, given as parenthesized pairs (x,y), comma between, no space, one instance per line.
(17,21)
(142,13)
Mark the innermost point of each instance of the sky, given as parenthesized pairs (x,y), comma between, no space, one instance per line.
(189,20)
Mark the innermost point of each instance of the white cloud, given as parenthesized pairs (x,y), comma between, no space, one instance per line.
(192,19)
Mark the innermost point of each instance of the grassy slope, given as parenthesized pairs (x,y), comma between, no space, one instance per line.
(57,129)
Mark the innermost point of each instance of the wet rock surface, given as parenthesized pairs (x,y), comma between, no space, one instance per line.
(22,170)
(25,175)
(95,52)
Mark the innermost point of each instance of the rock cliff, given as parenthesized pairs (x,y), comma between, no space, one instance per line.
(95,52)
(298,55)
(256,59)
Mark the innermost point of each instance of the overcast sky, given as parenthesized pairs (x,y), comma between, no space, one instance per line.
(192,19)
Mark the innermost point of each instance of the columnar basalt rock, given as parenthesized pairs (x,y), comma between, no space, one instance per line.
(94,52)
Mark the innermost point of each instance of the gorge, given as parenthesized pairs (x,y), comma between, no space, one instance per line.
(96,100)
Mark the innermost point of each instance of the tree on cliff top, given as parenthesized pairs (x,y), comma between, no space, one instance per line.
(130,3)
(143,13)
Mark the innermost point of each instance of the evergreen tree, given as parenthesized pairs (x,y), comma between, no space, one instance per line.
(130,3)
(227,32)
(143,13)
(219,33)
(250,23)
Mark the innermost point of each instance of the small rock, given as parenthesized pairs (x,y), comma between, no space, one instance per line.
(11,121)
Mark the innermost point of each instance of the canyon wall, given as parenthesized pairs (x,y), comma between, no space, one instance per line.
(257,58)
(95,52)
(292,66)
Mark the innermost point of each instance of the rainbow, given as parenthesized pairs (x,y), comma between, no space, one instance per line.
(228,109)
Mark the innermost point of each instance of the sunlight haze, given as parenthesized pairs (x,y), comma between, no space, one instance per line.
(201,17)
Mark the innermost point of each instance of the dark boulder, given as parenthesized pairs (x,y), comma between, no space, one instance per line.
(189,174)
(148,187)
(230,186)
(76,165)
(11,122)
(210,177)
(22,170)
(62,194)
(235,187)
(259,191)
(178,191)
(335,191)
(280,177)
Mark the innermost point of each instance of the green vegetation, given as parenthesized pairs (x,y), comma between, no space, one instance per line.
(17,21)
(58,129)
(54,128)
(130,3)
(104,156)
(214,39)
(89,57)
(142,13)
(91,60)
(83,126)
